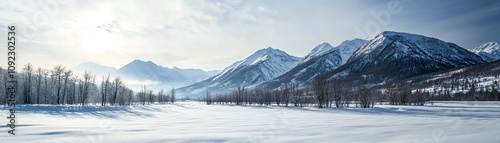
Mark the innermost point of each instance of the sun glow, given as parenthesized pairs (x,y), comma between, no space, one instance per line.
(97,34)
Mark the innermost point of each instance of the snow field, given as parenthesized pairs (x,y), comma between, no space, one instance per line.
(440,122)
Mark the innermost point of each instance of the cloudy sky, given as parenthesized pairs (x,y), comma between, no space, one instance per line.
(212,34)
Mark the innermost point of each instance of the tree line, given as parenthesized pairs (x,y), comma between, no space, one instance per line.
(476,83)
(61,86)
(323,93)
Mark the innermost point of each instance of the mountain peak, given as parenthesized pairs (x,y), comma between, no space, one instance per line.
(406,55)
(263,65)
(267,51)
(318,51)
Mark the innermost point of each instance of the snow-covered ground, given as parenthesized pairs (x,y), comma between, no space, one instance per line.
(441,122)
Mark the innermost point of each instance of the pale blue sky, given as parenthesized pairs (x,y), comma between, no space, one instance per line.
(212,34)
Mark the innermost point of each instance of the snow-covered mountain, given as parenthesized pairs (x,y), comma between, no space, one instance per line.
(395,55)
(263,65)
(147,70)
(489,51)
(322,59)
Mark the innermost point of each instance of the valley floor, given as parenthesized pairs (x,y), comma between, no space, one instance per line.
(452,122)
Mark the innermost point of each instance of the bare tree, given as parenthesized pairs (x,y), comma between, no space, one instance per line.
(391,93)
(404,93)
(277,97)
(3,85)
(366,97)
(39,75)
(337,93)
(161,97)
(320,89)
(88,80)
(286,94)
(298,95)
(66,77)
(142,95)
(151,96)
(45,74)
(208,98)
(240,93)
(117,86)
(104,89)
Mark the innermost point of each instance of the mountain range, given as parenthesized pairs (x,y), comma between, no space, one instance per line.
(396,56)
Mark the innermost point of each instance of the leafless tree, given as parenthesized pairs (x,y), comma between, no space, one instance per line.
(391,93)
(285,92)
(161,97)
(151,96)
(240,93)
(366,97)
(88,80)
(142,95)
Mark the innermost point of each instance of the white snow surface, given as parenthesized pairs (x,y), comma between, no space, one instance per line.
(443,122)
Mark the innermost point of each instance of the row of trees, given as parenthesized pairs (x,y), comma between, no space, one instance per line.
(322,93)
(61,86)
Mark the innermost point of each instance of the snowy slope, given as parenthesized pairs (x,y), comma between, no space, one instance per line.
(263,65)
(348,47)
(192,122)
(138,73)
(322,59)
(143,70)
(489,51)
(395,55)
